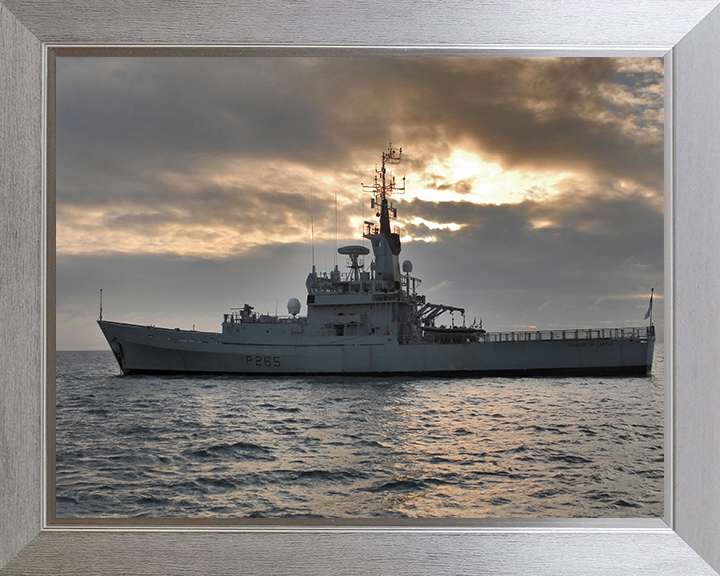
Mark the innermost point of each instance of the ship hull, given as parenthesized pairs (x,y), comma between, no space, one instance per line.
(150,350)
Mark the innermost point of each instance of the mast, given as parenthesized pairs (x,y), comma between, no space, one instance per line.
(383,188)
(312,229)
(385,242)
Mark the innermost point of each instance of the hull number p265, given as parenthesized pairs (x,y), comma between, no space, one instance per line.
(268,361)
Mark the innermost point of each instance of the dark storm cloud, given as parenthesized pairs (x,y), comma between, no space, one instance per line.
(122,123)
(524,112)
(603,210)
(146,113)
(577,227)
(461,187)
(545,114)
(253,216)
(171,106)
(249,208)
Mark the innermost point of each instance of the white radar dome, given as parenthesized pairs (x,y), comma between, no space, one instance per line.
(293,306)
(407,266)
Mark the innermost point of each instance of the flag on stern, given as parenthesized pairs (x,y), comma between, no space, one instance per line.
(648,314)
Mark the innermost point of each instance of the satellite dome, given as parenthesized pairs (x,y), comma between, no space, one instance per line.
(293,306)
(407,266)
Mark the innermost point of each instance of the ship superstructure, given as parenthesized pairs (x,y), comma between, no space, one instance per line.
(372,320)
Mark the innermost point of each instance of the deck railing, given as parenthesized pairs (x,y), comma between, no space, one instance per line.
(583,334)
(237,318)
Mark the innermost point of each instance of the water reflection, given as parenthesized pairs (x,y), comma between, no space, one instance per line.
(229,446)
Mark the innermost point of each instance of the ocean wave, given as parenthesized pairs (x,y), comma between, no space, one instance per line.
(331,447)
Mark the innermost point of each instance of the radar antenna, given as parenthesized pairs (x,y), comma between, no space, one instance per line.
(382,187)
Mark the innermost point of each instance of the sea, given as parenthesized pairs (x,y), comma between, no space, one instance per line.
(355,447)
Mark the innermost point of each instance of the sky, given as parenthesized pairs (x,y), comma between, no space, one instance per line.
(189,186)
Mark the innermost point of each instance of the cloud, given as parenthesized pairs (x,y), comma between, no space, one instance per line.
(166,112)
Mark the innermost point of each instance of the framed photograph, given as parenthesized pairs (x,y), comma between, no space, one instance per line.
(684,541)
(510,369)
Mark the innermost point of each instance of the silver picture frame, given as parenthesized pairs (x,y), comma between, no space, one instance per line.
(686,541)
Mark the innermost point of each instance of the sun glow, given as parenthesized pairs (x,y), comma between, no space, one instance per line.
(541,223)
(436,225)
(466,176)
(467,165)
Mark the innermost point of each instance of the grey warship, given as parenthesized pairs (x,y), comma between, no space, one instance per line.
(372,321)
